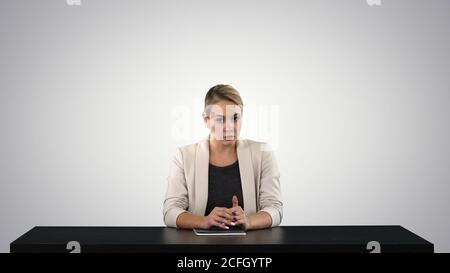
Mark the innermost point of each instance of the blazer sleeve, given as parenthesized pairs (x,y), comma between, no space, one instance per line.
(176,200)
(270,199)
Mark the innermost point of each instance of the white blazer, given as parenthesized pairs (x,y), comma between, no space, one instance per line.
(187,188)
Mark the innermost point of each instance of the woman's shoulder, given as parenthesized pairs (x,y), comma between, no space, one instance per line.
(242,143)
(255,145)
(192,148)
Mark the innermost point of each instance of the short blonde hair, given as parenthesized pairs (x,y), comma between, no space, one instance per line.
(222,92)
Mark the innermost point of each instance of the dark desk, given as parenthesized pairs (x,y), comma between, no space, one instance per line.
(284,239)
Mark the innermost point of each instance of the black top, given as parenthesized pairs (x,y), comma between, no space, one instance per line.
(223,183)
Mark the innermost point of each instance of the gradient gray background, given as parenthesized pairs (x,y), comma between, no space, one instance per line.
(86,94)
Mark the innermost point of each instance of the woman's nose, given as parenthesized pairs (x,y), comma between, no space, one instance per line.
(229,125)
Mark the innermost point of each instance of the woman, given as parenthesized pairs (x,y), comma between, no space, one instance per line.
(223,181)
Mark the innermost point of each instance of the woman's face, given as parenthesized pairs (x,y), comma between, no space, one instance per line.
(224,121)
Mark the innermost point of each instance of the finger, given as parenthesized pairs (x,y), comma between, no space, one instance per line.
(219,224)
(229,211)
(224,215)
(218,209)
(222,220)
(240,222)
(238,218)
(237,210)
(225,210)
(235,201)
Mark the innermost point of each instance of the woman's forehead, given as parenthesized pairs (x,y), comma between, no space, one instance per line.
(226,109)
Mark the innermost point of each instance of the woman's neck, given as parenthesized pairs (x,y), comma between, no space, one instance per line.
(218,147)
(220,154)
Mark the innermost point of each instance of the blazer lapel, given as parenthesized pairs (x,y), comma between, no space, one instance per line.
(247,176)
(201,177)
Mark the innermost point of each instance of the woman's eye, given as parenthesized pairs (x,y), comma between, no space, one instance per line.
(220,120)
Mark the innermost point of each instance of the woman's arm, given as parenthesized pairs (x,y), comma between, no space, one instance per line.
(219,217)
(270,199)
(176,201)
(188,220)
(271,205)
(260,220)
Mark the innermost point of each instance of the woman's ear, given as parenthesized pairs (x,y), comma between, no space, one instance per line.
(206,119)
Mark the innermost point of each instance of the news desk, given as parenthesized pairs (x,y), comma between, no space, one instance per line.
(283,239)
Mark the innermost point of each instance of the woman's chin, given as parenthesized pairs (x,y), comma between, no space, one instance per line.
(228,139)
